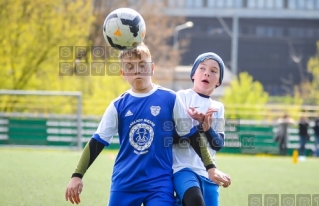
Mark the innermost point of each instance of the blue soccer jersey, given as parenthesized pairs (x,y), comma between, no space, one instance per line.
(145,124)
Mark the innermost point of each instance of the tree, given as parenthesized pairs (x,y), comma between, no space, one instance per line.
(309,90)
(245,98)
(37,33)
(32,43)
(33,32)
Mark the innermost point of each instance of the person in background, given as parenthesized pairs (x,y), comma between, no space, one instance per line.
(282,133)
(316,133)
(304,137)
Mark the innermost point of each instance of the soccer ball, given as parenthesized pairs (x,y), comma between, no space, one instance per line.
(124,28)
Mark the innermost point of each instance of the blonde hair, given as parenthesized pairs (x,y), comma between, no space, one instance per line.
(138,51)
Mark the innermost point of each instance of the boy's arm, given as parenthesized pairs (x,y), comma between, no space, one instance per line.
(197,142)
(107,128)
(215,136)
(215,139)
(92,149)
(103,135)
(90,152)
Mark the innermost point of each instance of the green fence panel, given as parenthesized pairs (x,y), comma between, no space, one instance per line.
(27,131)
(62,132)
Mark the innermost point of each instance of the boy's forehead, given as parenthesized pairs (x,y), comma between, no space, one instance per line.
(212,63)
(132,57)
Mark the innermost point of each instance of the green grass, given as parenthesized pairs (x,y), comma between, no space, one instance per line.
(32,177)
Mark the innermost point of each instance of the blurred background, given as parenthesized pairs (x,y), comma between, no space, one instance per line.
(270,48)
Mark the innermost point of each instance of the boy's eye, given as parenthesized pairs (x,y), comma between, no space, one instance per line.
(130,66)
(142,65)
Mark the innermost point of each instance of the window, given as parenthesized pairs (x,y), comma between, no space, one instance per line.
(220,3)
(260,31)
(230,4)
(301,4)
(269,31)
(279,4)
(310,33)
(177,3)
(198,3)
(238,3)
(292,4)
(296,32)
(310,4)
(251,3)
(194,3)
(210,3)
(270,4)
(260,4)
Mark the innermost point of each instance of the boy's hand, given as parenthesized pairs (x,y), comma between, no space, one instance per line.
(74,190)
(199,116)
(194,114)
(219,177)
(208,119)
(211,110)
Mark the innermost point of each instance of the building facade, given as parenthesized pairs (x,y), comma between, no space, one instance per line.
(272,40)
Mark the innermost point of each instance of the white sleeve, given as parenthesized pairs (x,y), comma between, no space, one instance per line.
(184,123)
(219,123)
(108,126)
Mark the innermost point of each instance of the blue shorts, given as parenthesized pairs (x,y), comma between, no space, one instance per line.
(147,198)
(187,178)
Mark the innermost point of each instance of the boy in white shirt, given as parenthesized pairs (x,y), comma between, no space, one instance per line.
(193,185)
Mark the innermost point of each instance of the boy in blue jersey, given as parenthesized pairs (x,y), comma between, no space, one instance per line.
(145,118)
(201,188)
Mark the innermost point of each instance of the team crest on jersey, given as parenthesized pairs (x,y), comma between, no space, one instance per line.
(141,137)
(155,110)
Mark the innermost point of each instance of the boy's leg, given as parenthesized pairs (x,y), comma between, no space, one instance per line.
(302,146)
(159,198)
(210,191)
(126,198)
(186,180)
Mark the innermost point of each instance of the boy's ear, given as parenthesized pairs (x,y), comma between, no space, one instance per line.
(122,74)
(153,67)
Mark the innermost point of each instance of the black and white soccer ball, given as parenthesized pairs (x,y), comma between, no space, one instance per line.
(124,28)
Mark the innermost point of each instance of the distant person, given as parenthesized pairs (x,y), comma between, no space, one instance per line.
(304,136)
(316,133)
(282,133)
